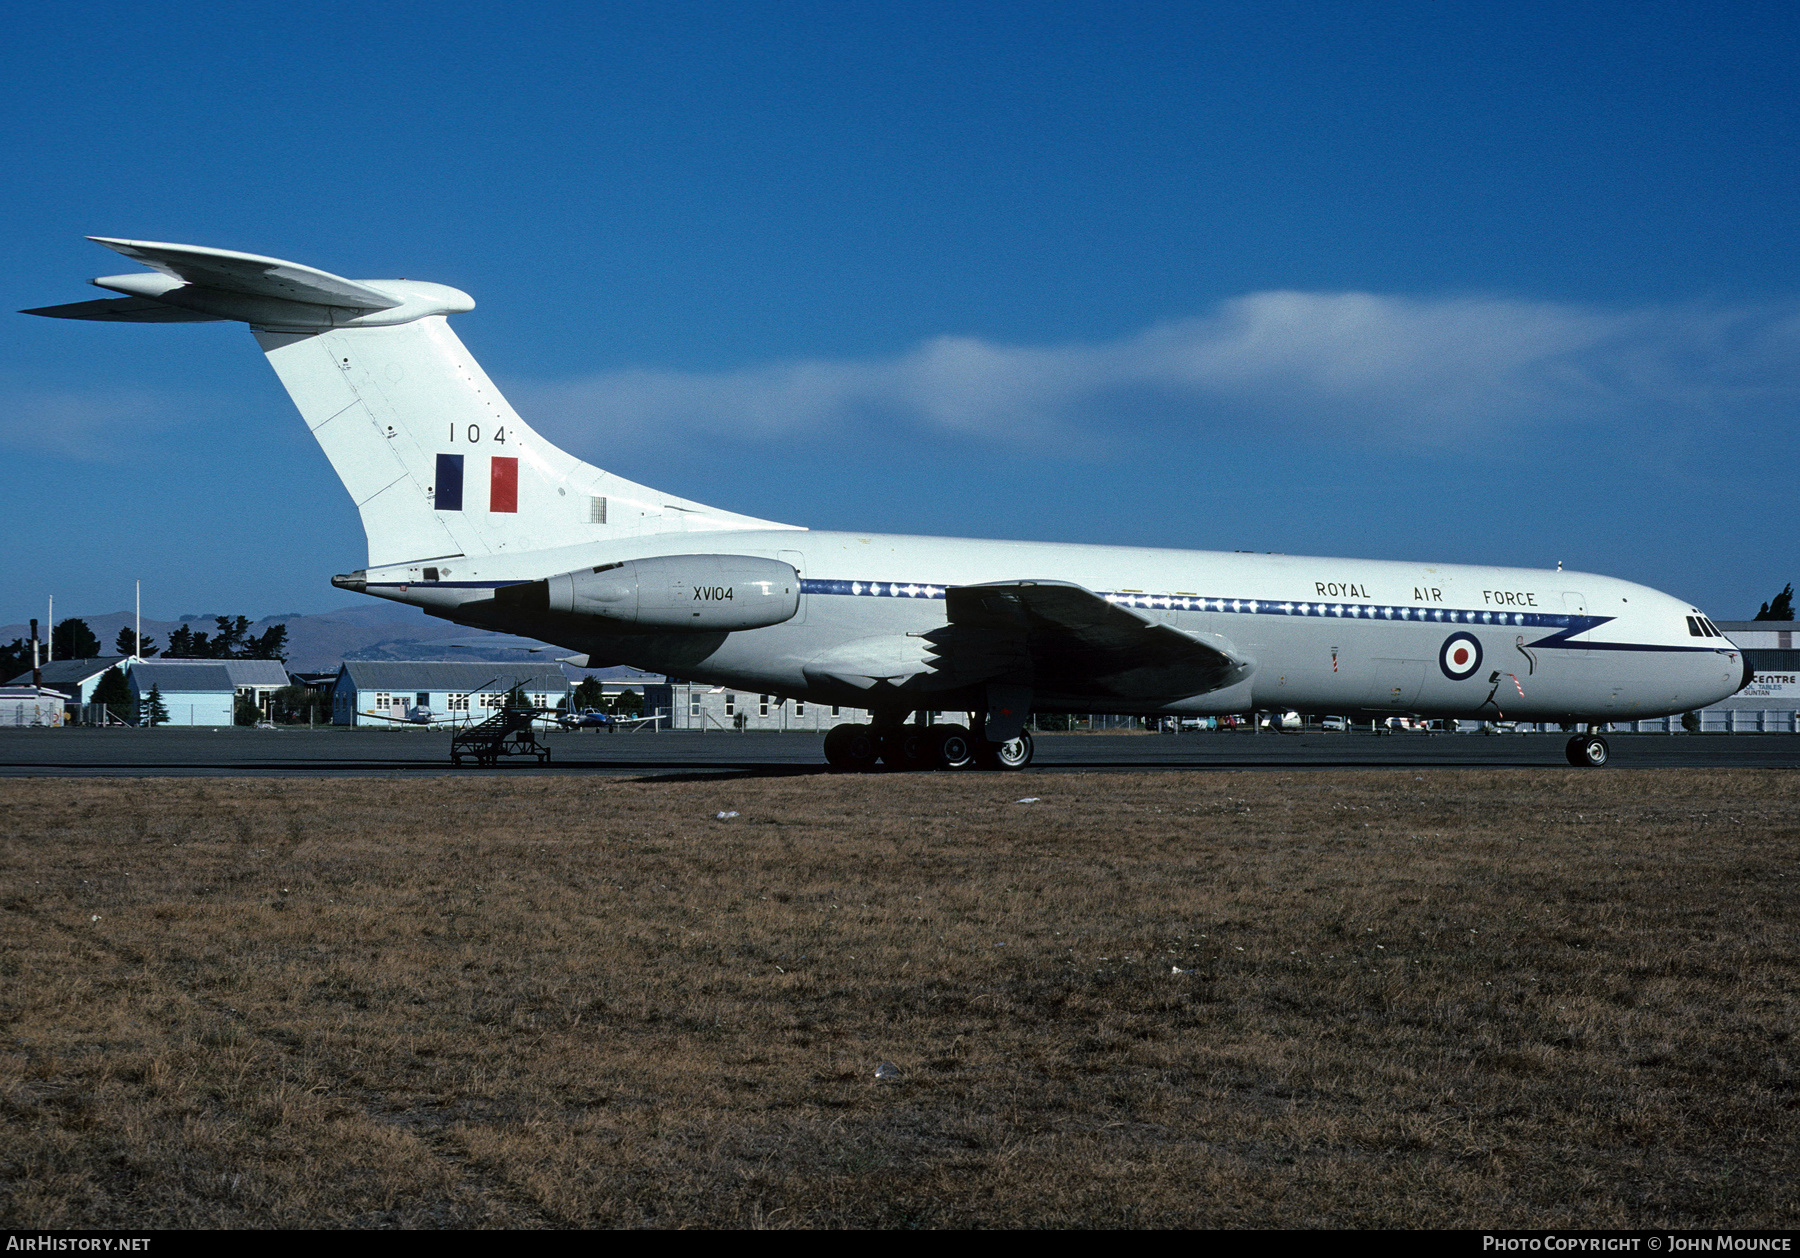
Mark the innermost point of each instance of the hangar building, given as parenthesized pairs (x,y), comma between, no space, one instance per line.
(367,691)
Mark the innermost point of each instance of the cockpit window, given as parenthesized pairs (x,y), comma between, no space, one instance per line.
(1694,629)
(1714,629)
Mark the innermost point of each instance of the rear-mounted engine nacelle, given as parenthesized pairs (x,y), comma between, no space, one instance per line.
(695,592)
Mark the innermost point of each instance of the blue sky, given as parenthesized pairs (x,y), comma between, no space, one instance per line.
(1509,284)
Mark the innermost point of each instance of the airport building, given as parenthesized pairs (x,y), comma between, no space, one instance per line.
(193,692)
(75,678)
(28,705)
(395,692)
(694,706)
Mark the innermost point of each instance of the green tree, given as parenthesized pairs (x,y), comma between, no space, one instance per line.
(589,695)
(631,703)
(1690,721)
(302,705)
(182,646)
(1781,607)
(515,698)
(114,693)
(73,640)
(232,641)
(156,712)
(14,659)
(269,645)
(228,642)
(127,644)
(244,710)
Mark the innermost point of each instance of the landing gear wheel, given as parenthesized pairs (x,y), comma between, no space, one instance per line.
(1013,754)
(853,748)
(1587,751)
(954,745)
(915,749)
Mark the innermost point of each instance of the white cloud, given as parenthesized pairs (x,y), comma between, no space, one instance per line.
(1358,365)
(92,425)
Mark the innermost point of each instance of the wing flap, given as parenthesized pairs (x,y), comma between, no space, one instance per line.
(250,274)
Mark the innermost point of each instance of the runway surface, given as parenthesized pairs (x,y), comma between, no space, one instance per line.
(167,752)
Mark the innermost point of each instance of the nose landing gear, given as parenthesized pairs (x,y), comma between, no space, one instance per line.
(1587,751)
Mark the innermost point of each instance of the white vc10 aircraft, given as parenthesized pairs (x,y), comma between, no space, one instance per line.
(472,516)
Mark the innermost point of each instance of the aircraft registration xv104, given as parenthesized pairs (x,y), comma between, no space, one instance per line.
(474,517)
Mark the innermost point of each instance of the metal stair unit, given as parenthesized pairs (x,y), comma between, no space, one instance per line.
(508,732)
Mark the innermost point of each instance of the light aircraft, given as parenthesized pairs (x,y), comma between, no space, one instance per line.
(474,517)
(593,718)
(418,716)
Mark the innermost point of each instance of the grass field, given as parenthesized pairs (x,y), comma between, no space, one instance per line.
(1485,998)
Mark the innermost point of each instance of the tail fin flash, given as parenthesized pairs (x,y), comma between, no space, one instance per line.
(435,459)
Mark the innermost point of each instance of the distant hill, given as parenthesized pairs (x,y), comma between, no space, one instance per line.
(320,642)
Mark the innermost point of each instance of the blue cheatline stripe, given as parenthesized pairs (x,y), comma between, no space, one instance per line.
(872,589)
(1565,624)
(447,492)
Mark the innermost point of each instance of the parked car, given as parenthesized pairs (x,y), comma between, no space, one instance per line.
(1335,725)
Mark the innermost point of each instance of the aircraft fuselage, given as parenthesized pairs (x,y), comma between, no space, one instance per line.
(1324,635)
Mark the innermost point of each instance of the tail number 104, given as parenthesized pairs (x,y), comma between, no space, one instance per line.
(472,434)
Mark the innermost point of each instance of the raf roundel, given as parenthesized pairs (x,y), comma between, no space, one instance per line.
(1460,656)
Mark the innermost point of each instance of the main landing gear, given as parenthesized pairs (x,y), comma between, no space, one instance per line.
(1587,751)
(859,748)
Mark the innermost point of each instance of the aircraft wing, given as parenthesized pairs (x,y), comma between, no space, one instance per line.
(1059,637)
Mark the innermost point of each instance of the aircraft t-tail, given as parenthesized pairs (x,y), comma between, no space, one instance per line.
(474,517)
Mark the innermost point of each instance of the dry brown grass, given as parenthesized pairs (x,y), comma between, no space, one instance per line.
(1456,999)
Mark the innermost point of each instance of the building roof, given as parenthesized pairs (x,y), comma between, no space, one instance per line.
(65,672)
(183,676)
(242,672)
(457,676)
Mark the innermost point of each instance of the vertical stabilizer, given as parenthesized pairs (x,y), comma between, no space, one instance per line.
(435,459)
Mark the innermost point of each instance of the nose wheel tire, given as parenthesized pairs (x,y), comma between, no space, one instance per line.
(1013,754)
(1587,751)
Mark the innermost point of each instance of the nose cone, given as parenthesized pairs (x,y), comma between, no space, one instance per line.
(1732,671)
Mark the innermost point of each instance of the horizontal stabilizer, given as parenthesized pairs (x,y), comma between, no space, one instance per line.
(123,310)
(251,274)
